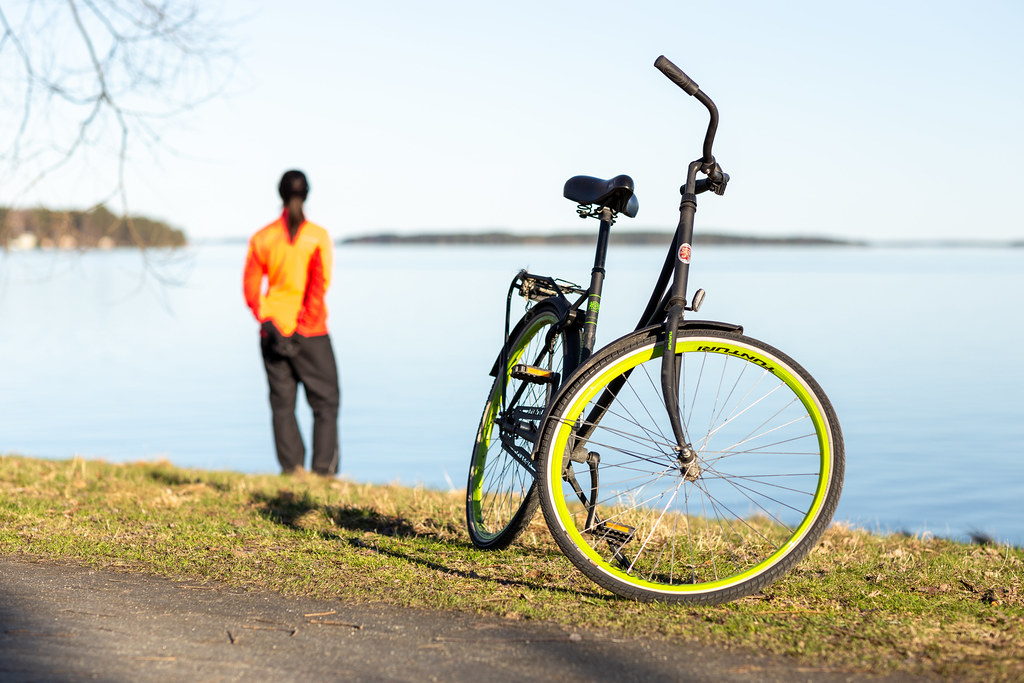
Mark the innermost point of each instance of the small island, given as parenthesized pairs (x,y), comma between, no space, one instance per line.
(96,228)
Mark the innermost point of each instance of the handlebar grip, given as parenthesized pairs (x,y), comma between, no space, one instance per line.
(676,75)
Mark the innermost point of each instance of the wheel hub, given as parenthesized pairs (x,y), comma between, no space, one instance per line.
(688,465)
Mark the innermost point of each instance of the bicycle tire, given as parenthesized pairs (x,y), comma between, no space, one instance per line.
(770,457)
(501,493)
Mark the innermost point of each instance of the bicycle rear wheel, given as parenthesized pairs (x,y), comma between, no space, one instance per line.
(501,493)
(627,512)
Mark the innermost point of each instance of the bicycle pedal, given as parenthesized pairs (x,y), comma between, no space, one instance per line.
(533,374)
(614,531)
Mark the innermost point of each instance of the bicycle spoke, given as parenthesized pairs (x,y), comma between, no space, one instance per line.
(654,527)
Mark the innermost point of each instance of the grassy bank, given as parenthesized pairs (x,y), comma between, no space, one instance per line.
(860,601)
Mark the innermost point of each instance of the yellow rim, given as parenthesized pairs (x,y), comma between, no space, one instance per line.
(690,344)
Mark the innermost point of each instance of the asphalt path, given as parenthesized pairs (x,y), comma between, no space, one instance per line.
(63,622)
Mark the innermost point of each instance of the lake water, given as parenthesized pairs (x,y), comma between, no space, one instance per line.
(919,349)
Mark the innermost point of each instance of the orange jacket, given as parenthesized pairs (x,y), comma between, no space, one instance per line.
(297,273)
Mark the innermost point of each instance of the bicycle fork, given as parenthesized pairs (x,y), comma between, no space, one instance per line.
(670,368)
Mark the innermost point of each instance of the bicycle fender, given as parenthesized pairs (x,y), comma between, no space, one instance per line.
(710,325)
(715,325)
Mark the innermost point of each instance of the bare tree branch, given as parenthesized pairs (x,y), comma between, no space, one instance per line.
(80,78)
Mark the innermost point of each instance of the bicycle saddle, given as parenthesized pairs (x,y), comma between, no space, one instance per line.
(616,194)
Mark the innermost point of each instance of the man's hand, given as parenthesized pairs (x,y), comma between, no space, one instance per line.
(286,347)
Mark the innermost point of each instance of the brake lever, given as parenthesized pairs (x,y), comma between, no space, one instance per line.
(715,181)
(718,186)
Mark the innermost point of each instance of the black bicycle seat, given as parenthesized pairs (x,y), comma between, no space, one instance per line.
(616,194)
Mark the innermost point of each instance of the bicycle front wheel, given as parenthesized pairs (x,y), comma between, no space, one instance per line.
(501,494)
(627,511)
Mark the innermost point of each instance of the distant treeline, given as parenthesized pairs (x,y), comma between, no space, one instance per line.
(73,229)
(587,237)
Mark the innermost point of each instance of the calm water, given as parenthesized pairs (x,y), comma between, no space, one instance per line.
(920,351)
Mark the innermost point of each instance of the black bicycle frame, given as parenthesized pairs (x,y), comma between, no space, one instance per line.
(668,303)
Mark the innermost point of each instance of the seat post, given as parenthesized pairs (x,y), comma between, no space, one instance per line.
(607,217)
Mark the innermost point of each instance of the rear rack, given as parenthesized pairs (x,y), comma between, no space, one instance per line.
(535,288)
(539,287)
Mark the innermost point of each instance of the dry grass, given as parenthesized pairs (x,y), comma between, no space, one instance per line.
(859,602)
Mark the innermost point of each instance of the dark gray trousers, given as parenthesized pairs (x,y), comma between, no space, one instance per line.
(314,367)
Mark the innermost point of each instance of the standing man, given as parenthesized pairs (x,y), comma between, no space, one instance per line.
(296,259)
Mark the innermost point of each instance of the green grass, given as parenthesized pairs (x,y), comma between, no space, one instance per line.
(859,602)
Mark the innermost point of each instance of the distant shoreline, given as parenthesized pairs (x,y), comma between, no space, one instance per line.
(636,238)
(650,238)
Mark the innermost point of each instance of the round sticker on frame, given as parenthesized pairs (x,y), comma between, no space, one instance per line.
(684,253)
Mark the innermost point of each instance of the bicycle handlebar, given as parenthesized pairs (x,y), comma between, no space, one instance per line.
(676,75)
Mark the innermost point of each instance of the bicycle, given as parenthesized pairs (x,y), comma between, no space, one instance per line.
(700,475)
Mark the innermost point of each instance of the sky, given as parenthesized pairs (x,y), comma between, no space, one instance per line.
(894,120)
